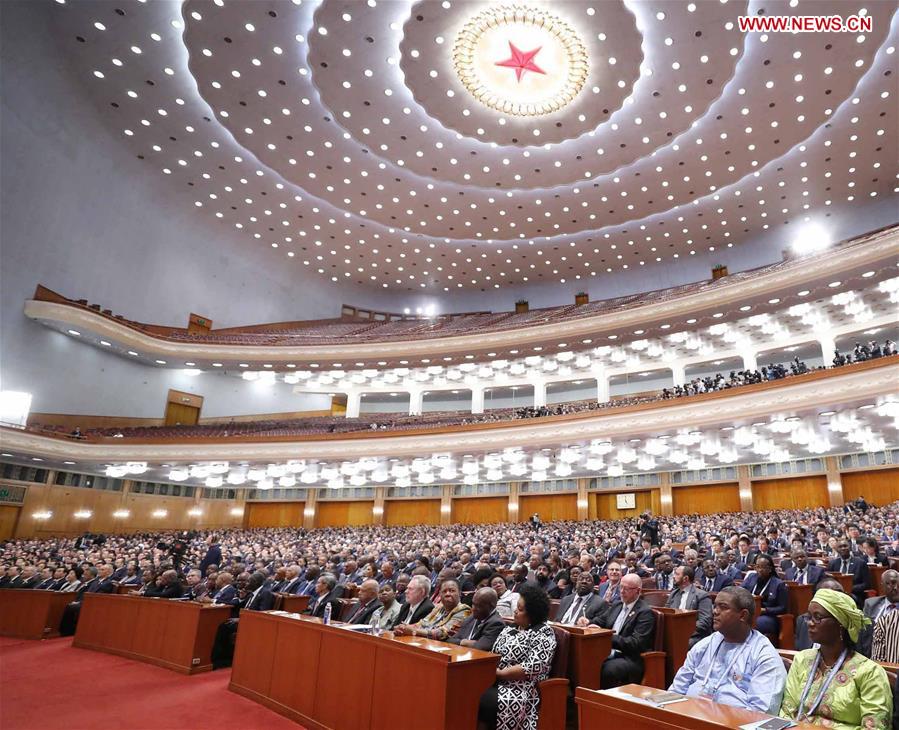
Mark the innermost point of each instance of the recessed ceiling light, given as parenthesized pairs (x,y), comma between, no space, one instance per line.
(160,362)
(74,332)
(132,352)
(834,284)
(869,274)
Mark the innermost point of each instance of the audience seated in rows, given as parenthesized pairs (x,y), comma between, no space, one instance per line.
(596,569)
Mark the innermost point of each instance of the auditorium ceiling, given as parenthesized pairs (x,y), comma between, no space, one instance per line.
(444,146)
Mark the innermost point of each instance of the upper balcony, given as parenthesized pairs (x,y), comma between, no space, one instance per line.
(852,265)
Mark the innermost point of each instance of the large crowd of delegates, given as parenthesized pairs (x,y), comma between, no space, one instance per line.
(490,587)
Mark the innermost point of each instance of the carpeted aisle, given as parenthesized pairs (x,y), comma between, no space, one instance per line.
(49,685)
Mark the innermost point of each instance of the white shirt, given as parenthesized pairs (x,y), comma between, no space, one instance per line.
(412,610)
(622,616)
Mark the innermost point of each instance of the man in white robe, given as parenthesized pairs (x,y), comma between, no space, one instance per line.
(736,665)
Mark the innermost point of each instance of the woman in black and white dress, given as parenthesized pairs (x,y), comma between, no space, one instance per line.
(526,656)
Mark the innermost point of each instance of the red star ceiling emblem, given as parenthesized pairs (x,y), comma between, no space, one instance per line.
(522,61)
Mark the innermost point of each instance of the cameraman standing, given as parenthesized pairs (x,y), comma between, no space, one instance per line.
(213,554)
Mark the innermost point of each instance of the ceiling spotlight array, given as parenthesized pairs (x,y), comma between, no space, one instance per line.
(339,135)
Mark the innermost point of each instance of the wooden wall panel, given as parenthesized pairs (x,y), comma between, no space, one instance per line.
(548,506)
(705,499)
(274,514)
(8,515)
(878,487)
(412,512)
(793,493)
(481,510)
(340,514)
(63,502)
(603,505)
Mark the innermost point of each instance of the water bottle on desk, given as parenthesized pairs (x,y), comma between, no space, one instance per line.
(326,619)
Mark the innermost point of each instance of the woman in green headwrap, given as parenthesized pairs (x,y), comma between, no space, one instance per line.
(835,686)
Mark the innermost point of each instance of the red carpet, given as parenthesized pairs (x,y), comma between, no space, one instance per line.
(49,685)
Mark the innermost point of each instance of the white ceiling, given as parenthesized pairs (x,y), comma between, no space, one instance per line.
(327,135)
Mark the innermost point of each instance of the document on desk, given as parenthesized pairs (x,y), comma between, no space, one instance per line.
(657,699)
(772,723)
(361,628)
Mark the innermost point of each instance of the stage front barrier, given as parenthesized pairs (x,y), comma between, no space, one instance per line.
(330,677)
(177,635)
(32,614)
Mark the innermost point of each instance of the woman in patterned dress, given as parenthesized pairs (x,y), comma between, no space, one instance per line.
(835,686)
(526,656)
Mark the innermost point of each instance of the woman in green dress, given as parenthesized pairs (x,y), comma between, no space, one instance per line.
(834,686)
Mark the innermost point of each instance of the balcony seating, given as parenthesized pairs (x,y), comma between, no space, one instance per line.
(350,329)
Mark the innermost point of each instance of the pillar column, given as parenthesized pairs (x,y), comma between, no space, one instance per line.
(750,360)
(309,509)
(415,401)
(477,400)
(828,345)
(602,389)
(834,481)
(446,504)
(745,485)
(513,501)
(666,495)
(539,393)
(678,373)
(353,404)
(583,500)
(377,509)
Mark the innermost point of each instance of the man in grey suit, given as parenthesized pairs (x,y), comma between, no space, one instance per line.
(687,596)
(483,626)
(877,607)
(574,607)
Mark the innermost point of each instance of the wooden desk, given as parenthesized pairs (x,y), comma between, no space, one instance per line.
(128,588)
(798,598)
(679,627)
(293,604)
(844,579)
(588,648)
(876,572)
(176,635)
(599,709)
(32,614)
(328,677)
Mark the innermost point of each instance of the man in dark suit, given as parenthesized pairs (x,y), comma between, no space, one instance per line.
(30,577)
(664,570)
(325,594)
(634,625)
(225,593)
(688,597)
(712,579)
(483,626)
(417,604)
(800,570)
(879,606)
(98,580)
(46,580)
(851,564)
(167,586)
(368,602)
(292,581)
(573,607)
(258,598)
(196,586)
(213,554)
